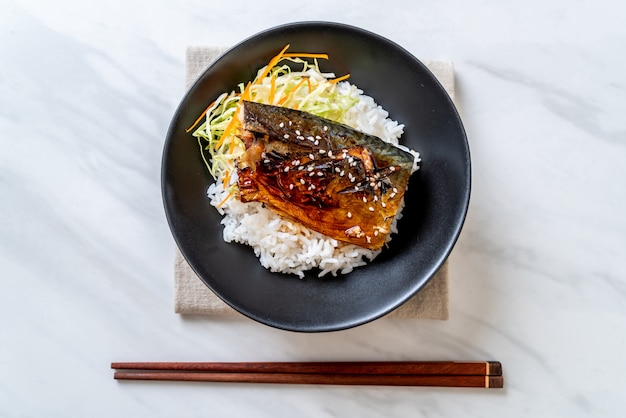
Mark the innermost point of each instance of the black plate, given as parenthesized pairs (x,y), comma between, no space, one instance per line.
(436,201)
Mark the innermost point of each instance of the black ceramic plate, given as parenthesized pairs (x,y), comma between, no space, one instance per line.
(436,201)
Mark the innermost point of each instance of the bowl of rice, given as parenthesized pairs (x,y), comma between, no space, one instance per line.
(273,269)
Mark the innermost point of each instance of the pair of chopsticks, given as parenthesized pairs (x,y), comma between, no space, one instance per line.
(484,374)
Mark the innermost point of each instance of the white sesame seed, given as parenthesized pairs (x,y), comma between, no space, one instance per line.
(289,123)
(368,238)
(286,136)
(395,190)
(301,181)
(325,128)
(349,214)
(310,138)
(317,142)
(310,168)
(320,174)
(266,161)
(322,151)
(342,173)
(375,198)
(352,179)
(383,204)
(392,195)
(337,169)
(364,199)
(297,132)
(282,125)
(330,154)
(376,232)
(291,186)
(311,156)
(311,174)
(300,137)
(392,168)
(371,209)
(286,169)
(318,137)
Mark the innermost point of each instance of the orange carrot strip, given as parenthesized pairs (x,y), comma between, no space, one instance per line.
(225,199)
(272,89)
(244,96)
(284,99)
(203,114)
(337,80)
(229,127)
(272,63)
(299,84)
(226,178)
(305,55)
(308,82)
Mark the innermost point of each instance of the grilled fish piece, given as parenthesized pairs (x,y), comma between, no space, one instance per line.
(331,178)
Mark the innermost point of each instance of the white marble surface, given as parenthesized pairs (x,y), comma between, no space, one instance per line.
(87,90)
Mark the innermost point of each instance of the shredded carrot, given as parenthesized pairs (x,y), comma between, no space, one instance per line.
(225,199)
(284,99)
(337,80)
(305,55)
(272,88)
(299,84)
(244,96)
(226,178)
(246,93)
(203,114)
(272,63)
(230,126)
(250,93)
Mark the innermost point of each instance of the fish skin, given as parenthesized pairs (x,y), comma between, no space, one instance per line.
(328,176)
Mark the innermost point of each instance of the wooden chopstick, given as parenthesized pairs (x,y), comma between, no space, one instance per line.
(404,373)
(481,368)
(474,381)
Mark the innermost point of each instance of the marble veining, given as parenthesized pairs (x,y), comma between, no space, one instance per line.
(87,91)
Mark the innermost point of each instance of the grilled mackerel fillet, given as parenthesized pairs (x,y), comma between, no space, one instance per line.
(331,178)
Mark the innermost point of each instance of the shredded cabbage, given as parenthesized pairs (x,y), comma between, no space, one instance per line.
(277,84)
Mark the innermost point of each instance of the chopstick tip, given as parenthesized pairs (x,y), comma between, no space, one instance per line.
(494,382)
(494,368)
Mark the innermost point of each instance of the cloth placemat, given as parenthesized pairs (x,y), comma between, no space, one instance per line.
(192,296)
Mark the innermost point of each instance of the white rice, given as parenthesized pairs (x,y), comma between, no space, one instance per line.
(284,246)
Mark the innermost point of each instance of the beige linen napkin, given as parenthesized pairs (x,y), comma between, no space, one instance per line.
(192,296)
